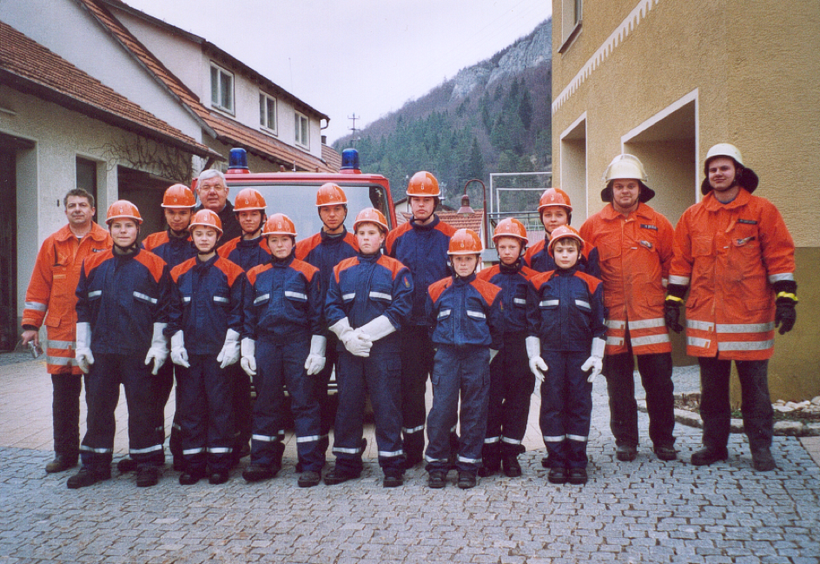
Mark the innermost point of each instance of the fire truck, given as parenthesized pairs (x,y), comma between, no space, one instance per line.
(294,193)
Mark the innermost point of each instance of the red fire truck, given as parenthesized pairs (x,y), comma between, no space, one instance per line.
(294,193)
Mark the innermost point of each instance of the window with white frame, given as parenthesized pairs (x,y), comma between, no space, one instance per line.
(221,89)
(302,130)
(267,112)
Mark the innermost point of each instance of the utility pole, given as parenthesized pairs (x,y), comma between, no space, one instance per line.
(353,118)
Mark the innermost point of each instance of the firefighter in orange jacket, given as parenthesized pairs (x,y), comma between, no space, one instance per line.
(736,256)
(635,251)
(51,289)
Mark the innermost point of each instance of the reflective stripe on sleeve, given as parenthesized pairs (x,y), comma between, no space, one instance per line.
(299,295)
(36,306)
(582,303)
(789,276)
(261,298)
(381,295)
(95,293)
(679,280)
(222,300)
(64,345)
(476,314)
(548,303)
(142,296)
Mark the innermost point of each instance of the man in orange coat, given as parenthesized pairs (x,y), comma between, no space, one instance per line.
(634,243)
(51,289)
(734,252)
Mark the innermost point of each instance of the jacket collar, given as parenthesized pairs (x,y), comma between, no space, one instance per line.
(610,213)
(712,204)
(426,227)
(97,233)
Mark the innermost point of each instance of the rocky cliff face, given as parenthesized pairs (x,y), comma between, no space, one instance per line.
(525,53)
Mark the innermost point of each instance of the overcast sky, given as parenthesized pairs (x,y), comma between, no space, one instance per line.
(362,57)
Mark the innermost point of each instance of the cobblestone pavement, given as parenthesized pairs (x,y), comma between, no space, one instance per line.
(643,511)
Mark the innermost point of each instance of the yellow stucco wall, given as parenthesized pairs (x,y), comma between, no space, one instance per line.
(751,74)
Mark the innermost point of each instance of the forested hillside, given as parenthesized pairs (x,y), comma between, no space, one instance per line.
(492,117)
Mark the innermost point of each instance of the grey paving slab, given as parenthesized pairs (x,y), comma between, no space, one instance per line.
(644,511)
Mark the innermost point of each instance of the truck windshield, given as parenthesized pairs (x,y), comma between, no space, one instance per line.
(298,202)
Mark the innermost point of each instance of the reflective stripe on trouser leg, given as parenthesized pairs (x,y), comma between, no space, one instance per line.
(458,371)
(303,405)
(349,426)
(268,416)
(566,405)
(519,383)
(416,364)
(383,377)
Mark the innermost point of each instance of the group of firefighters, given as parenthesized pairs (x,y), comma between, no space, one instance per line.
(229,294)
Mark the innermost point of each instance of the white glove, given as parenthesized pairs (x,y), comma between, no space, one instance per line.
(179,355)
(159,348)
(82,352)
(595,360)
(377,328)
(359,344)
(316,358)
(493,352)
(230,350)
(354,341)
(248,351)
(537,364)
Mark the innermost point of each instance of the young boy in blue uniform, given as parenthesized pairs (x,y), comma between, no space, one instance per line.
(174,246)
(284,347)
(369,299)
(205,327)
(248,250)
(565,314)
(121,315)
(324,250)
(466,316)
(511,382)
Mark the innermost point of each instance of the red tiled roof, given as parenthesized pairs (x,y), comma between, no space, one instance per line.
(29,67)
(331,157)
(222,128)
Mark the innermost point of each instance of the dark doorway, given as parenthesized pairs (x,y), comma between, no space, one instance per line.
(8,250)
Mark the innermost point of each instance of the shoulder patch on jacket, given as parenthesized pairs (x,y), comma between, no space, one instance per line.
(305,268)
(395,234)
(254,272)
(344,265)
(182,268)
(391,264)
(152,262)
(305,246)
(488,290)
(436,288)
(591,282)
(229,268)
